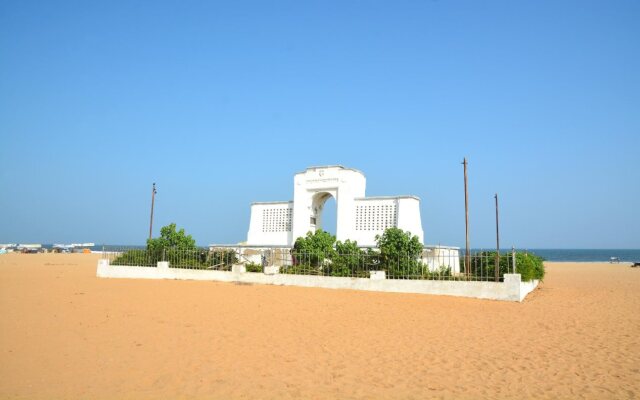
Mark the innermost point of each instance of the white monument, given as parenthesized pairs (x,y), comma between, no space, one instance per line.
(359,218)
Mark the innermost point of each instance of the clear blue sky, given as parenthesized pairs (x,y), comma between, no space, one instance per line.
(220,103)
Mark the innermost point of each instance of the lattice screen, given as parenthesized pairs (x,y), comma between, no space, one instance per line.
(276,219)
(376,217)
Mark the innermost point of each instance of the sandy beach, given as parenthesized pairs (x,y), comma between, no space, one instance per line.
(66,334)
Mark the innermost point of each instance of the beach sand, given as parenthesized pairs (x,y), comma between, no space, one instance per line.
(66,334)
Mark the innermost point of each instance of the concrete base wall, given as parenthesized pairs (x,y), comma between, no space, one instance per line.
(527,287)
(512,289)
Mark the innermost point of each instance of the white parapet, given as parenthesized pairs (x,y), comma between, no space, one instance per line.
(511,289)
(272,270)
(516,285)
(377,275)
(239,268)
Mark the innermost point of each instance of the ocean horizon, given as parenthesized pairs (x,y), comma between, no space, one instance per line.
(568,255)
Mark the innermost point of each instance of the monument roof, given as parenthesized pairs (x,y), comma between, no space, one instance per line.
(330,166)
(403,196)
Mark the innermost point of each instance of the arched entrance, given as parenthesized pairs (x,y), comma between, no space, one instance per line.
(313,187)
(320,219)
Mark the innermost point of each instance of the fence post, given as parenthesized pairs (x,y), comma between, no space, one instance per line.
(497,267)
(513,258)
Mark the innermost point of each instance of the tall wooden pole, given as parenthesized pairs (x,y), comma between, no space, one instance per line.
(153,195)
(497,242)
(467,259)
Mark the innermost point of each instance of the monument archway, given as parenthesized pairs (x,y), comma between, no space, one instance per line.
(359,218)
(314,186)
(318,219)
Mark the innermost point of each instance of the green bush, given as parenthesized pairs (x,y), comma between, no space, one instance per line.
(440,273)
(303,268)
(315,255)
(138,257)
(483,264)
(348,260)
(171,238)
(528,265)
(190,258)
(179,258)
(223,259)
(314,248)
(180,250)
(399,253)
(253,267)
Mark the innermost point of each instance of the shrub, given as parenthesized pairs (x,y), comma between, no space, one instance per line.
(178,258)
(302,268)
(137,257)
(174,246)
(348,260)
(399,253)
(528,265)
(180,250)
(314,249)
(440,273)
(171,238)
(223,259)
(253,267)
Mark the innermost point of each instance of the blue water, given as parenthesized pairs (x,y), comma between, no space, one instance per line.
(577,255)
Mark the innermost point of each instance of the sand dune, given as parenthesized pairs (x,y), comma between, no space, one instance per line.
(66,334)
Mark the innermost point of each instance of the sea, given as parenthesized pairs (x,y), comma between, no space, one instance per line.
(575,255)
(583,255)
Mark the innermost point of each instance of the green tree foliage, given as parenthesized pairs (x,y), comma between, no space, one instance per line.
(399,253)
(253,267)
(315,254)
(349,260)
(180,250)
(316,241)
(395,242)
(172,238)
(314,248)
(528,265)
(137,258)
(220,260)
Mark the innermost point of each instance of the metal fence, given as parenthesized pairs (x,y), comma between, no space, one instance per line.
(220,260)
(480,266)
